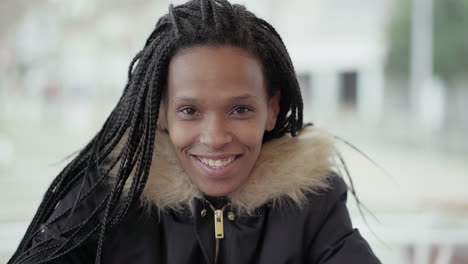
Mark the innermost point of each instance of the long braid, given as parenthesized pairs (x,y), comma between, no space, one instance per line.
(127,138)
(69,208)
(153,110)
(143,162)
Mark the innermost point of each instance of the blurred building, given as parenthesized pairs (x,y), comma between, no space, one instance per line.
(339,49)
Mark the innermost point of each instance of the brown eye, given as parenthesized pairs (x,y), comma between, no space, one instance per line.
(188,111)
(241,110)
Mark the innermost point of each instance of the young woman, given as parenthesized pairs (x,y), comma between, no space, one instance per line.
(204,159)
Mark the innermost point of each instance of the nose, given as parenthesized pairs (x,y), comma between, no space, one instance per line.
(215,133)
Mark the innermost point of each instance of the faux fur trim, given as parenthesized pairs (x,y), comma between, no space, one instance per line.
(287,168)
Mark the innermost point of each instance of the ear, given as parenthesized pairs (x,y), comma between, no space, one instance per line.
(162,117)
(273,110)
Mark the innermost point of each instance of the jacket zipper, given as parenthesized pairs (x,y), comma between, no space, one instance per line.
(218,226)
(219,231)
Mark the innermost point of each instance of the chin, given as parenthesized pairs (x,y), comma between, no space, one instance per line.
(215,190)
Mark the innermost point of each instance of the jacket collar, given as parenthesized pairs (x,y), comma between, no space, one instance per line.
(287,168)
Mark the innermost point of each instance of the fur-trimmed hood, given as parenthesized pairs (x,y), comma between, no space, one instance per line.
(287,168)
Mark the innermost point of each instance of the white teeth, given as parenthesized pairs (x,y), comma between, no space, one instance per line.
(216,163)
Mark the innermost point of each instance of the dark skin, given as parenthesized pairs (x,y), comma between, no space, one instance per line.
(216,110)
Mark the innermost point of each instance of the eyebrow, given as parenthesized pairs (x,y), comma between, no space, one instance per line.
(236,98)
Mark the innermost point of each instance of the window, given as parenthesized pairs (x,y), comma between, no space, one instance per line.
(348,90)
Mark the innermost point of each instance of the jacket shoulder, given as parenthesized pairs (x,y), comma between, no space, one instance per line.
(334,239)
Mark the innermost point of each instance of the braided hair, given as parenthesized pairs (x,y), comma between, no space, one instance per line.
(134,121)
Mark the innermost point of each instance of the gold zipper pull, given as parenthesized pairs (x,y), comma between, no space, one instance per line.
(219,227)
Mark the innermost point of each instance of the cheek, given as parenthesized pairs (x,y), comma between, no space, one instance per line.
(182,135)
(249,132)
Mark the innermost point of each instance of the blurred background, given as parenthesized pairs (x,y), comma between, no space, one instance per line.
(389,76)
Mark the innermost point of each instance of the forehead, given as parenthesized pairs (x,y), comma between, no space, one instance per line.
(215,71)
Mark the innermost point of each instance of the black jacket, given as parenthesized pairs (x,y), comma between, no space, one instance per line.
(290,211)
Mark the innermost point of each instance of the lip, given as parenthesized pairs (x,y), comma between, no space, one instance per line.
(218,173)
(216,157)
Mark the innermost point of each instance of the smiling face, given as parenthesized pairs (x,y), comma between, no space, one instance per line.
(216,110)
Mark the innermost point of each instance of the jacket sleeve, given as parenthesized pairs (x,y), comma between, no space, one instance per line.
(79,255)
(336,241)
(48,235)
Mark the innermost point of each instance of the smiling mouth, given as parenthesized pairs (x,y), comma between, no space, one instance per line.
(217,163)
